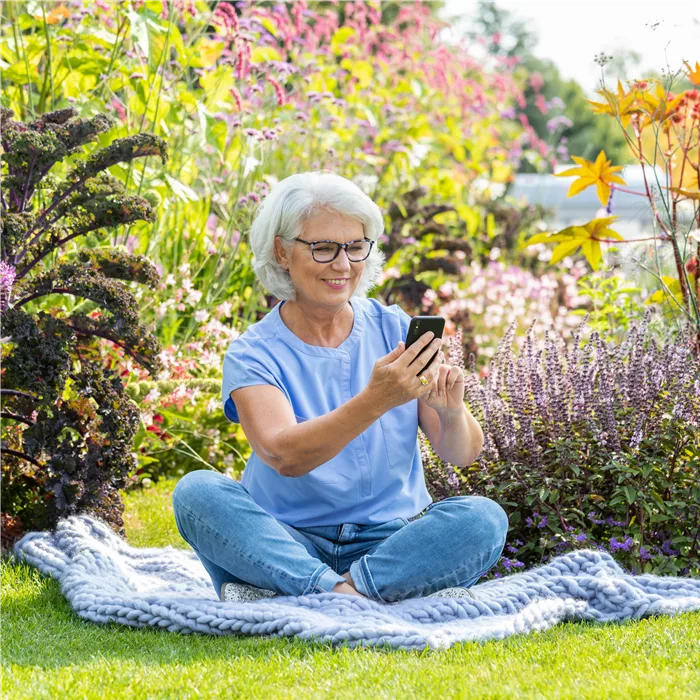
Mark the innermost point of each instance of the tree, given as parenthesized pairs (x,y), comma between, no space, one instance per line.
(573,128)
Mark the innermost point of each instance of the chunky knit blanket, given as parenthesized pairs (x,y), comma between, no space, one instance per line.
(105,579)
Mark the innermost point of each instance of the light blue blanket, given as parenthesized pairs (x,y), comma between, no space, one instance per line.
(105,579)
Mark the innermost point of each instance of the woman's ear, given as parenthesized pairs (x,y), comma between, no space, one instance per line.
(280,253)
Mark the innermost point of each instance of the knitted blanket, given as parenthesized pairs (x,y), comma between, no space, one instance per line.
(105,579)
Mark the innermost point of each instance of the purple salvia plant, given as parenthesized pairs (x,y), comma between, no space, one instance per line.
(591,423)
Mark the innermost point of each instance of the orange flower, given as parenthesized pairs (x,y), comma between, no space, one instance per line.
(694,74)
(57,14)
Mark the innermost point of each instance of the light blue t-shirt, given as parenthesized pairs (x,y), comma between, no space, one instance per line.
(378,476)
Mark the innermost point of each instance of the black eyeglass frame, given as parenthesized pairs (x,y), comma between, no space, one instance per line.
(340,245)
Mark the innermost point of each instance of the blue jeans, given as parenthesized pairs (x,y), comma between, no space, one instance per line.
(453,543)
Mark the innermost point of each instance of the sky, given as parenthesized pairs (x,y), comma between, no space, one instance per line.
(571,33)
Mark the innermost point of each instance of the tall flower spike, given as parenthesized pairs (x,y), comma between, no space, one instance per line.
(7,278)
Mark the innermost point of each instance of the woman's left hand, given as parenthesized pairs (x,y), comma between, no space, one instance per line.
(447,392)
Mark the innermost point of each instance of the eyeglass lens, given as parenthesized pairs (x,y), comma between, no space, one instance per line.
(325,252)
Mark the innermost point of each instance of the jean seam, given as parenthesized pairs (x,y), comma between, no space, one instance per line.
(485,571)
(227,543)
(368,580)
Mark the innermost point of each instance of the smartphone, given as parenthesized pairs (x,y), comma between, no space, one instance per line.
(422,324)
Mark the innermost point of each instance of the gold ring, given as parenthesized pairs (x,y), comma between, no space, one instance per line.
(423,380)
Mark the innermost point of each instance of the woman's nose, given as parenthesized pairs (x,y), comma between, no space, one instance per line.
(342,262)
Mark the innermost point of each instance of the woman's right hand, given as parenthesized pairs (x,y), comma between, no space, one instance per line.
(394,379)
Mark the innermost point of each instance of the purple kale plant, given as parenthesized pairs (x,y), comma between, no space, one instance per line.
(590,444)
(67,424)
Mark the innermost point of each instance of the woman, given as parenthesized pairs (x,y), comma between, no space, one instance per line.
(332,497)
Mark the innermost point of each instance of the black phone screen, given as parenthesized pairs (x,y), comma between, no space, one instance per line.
(422,324)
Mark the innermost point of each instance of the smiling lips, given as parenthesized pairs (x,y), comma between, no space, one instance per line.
(336,285)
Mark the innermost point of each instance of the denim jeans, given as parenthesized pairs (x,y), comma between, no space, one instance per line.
(454,542)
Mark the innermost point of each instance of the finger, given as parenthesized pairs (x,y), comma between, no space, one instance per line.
(459,375)
(442,381)
(416,348)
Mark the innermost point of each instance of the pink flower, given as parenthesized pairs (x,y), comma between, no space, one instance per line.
(536,81)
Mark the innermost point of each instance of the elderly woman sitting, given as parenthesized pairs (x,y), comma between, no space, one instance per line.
(333,496)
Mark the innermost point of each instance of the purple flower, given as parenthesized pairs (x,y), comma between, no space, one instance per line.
(582,537)
(7,279)
(554,123)
(615,545)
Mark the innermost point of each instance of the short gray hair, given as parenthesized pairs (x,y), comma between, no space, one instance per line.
(283,213)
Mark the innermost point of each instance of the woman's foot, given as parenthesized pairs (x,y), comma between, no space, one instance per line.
(348,589)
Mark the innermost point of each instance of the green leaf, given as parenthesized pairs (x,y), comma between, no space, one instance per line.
(630,493)
(268,24)
(139,32)
(180,190)
(490,226)
(340,39)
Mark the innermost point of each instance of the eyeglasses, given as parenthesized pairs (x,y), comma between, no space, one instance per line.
(327,251)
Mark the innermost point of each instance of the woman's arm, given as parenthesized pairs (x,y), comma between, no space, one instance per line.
(295,448)
(456,437)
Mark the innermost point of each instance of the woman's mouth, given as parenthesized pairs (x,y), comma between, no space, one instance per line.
(337,284)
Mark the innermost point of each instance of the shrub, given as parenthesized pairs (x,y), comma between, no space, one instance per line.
(596,445)
(67,424)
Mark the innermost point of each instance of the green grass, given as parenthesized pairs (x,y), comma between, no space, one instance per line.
(48,652)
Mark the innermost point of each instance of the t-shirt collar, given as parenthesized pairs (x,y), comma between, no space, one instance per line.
(296,342)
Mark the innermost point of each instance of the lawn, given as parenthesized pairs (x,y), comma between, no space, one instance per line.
(48,652)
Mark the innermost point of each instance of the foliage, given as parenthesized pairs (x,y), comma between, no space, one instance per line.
(67,424)
(612,304)
(599,443)
(673,120)
(574,129)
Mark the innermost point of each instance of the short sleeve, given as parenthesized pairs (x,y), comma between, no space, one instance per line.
(244,365)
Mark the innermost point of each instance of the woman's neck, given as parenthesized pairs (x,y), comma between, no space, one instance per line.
(328,331)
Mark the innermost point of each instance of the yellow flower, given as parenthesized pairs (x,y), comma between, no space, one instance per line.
(599,174)
(691,190)
(649,105)
(694,74)
(621,104)
(587,237)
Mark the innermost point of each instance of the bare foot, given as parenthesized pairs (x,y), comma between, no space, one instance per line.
(348,589)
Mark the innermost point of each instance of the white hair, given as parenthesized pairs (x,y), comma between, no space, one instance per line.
(283,213)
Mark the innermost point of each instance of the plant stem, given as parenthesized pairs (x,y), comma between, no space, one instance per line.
(17,417)
(14,392)
(21,455)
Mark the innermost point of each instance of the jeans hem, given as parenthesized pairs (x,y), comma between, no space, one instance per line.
(365,583)
(325,579)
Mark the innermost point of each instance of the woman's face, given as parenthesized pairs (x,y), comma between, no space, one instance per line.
(308,276)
